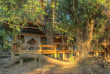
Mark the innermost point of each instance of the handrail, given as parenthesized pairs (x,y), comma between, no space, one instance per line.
(40,45)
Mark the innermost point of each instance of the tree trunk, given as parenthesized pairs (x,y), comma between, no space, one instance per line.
(49,37)
(48,30)
(37,56)
(84,41)
(83,48)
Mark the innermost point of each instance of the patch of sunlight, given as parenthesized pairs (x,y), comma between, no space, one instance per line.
(47,67)
(71,58)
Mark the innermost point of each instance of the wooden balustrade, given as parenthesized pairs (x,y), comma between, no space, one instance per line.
(43,51)
(38,45)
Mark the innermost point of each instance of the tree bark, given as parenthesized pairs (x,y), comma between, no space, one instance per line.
(84,41)
(84,48)
(37,56)
(49,38)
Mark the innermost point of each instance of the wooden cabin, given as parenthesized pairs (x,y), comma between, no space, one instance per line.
(32,40)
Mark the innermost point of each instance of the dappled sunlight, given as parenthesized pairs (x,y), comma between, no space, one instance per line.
(54,36)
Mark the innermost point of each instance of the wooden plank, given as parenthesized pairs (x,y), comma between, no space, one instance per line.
(29,51)
(57,43)
(48,50)
(40,35)
(62,51)
(38,45)
(75,51)
(47,45)
(45,51)
(31,34)
(97,51)
(41,51)
(30,45)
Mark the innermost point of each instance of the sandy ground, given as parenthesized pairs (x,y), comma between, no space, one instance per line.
(91,66)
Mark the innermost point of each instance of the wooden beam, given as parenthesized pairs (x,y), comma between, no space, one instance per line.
(40,35)
(30,34)
(21,62)
(55,52)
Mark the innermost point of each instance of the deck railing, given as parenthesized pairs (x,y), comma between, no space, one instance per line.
(41,49)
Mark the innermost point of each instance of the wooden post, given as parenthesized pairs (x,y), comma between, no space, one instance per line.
(21,47)
(78,53)
(97,54)
(20,52)
(71,50)
(40,49)
(35,60)
(94,53)
(21,62)
(71,47)
(108,54)
(51,56)
(64,56)
(40,63)
(62,46)
(55,52)
(11,50)
(105,55)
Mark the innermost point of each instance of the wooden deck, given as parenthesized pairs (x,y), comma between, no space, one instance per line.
(50,49)
(42,49)
(97,53)
(45,51)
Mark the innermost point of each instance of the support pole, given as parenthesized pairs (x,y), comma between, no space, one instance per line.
(51,55)
(108,55)
(55,52)
(97,54)
(40,49)
(35,60)
(64,56)
(94,53)
(40,63)
(21,62)
(105,55)
(78,54)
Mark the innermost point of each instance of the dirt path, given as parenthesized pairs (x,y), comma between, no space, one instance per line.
(91,66)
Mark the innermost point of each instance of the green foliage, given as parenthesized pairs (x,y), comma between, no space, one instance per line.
(94,48)
(100,48)
(4,40)
(97,48)
(3,36)
(73,22)
(58,56)
(71,18)
(71,58)
(19,11)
